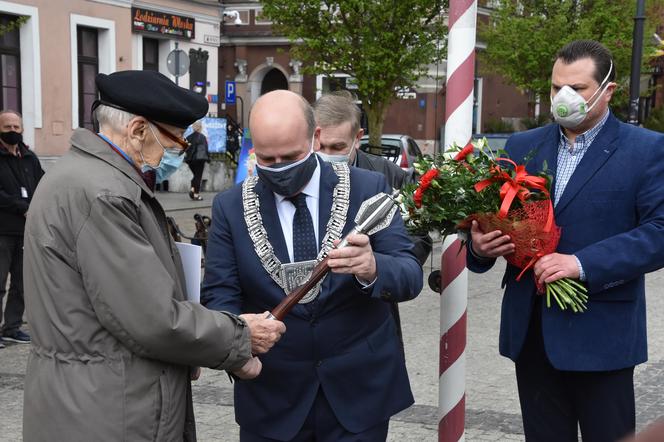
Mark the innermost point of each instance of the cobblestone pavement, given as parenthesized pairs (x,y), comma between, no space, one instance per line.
(492,407)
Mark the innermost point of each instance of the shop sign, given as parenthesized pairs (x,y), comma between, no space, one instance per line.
(154,22)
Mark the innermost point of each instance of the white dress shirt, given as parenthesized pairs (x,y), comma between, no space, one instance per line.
(286,210)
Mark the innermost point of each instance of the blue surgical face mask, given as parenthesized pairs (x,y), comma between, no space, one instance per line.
(170,161)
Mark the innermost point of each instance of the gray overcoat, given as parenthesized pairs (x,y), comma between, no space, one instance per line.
(112,334)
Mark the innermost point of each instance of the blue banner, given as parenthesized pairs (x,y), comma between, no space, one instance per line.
(214,130)
(247,162)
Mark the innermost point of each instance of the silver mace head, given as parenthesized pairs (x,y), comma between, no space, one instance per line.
(374,215)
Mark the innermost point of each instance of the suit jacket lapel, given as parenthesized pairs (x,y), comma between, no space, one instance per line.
(597,154)
(271,221)
(546,153)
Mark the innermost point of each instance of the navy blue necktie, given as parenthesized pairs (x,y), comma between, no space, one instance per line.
(304,237)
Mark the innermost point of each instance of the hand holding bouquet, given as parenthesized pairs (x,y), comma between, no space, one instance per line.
(498,194)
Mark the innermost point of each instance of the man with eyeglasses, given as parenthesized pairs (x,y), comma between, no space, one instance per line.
(114,336)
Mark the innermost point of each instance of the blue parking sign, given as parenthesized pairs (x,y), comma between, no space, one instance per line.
(230,92)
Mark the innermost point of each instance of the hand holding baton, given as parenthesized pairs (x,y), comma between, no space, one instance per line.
(374,215)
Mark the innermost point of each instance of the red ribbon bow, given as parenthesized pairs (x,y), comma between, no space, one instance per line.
(516,187)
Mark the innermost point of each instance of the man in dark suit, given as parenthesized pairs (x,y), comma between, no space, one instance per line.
(338,373)
(577,369)
(338,117)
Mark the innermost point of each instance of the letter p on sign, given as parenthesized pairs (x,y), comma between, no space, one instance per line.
(230,92)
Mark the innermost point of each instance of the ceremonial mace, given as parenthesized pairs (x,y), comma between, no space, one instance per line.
(374,215)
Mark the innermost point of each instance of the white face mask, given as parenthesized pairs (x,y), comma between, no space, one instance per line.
(338,158)
(569,108)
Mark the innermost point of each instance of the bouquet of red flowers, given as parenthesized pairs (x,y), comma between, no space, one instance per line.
(498,194)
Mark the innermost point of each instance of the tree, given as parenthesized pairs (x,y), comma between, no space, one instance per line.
(385,45)
(523,38)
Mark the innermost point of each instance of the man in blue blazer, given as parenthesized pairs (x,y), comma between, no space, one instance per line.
(337,374)
(577,369)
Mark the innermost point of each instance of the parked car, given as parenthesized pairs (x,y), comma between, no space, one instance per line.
(496,141)
(401,149)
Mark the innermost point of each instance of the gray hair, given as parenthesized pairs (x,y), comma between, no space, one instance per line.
(113,118)
(337,108)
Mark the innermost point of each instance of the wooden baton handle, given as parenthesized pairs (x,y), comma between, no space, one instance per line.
(285,306)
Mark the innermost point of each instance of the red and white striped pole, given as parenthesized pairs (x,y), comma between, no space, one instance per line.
(454,276)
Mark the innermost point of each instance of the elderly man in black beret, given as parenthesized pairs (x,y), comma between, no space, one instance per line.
(113,334)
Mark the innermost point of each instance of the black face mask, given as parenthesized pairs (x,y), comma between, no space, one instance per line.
(12,138)
(287,181)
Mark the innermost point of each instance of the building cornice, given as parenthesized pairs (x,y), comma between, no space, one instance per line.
(255,41)
(118,3)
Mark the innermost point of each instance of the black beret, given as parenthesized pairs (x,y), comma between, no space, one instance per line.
(151,95)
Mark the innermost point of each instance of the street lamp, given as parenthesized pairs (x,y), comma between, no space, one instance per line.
(637,52)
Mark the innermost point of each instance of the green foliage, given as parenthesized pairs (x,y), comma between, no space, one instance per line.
(14,24)
(541,120)
(655,120)
(385,45)
(446,204)
(524,37)
(497,126)
(451,197)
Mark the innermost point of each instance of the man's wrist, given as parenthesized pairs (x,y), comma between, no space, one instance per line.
(473,253)
(365,283)
(582,274)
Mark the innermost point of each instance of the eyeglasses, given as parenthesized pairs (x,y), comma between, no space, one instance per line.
(184,144)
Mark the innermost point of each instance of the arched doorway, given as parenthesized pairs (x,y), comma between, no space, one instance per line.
(274,79)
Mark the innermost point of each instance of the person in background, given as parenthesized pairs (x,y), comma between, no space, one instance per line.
(196,156)
(20,173)
(338,117)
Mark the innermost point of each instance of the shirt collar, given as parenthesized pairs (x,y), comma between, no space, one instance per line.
(588,136)
(117,149)
(312,188)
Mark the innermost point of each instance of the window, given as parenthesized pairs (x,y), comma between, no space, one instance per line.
(83,31)
(88,68)
(413,148)
(150,54)
(10,59)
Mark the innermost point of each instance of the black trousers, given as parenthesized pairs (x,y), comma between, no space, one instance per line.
(197,169)
(555,403)
(11,263)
